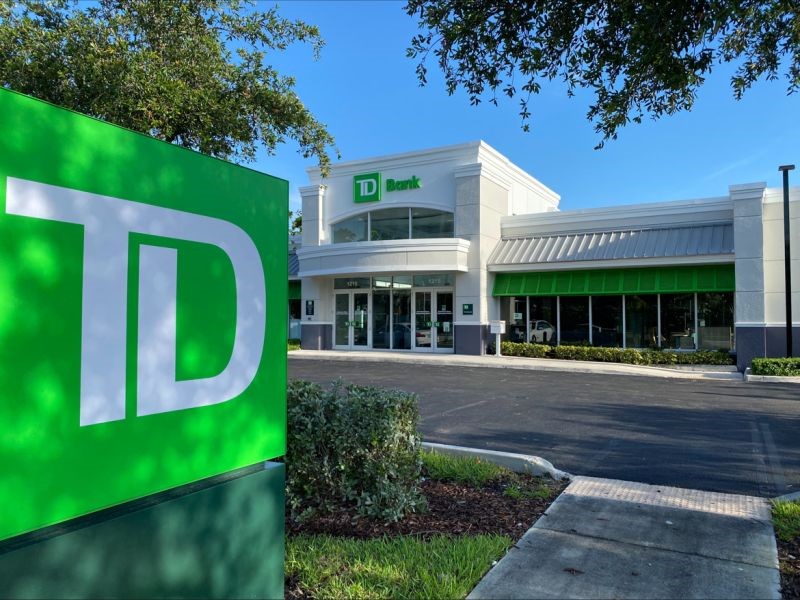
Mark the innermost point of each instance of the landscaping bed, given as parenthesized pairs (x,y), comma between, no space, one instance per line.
(776,367)
(475,512)
(631,356)
(786,518)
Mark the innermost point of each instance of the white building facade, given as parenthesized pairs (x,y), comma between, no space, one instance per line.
(417,252)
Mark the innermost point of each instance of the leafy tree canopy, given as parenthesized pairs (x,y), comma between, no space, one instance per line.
(295,222)
(190,72)
(638,57)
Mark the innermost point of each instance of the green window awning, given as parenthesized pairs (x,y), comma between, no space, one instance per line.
(599,282)
(294,290)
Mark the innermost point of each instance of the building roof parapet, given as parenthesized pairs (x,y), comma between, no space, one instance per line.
(649,215)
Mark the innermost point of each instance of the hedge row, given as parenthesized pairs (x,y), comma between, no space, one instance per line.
(352,449)
(617,355)
(782,367)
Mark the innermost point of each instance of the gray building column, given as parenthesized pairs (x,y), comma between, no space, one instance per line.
(748,234)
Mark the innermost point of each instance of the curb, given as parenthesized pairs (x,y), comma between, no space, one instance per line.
(521,363)
(519,463)
(791,497)
(749,377)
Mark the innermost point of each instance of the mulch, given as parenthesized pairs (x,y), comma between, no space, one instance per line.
(453,509)
(789,558)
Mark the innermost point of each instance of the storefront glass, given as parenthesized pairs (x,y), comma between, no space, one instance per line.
(381,318)
(544,313)
(574,319)
(715,321)
(677,321)
(517,320)
(680,329)
(351,283)
(428,223)
(607,321)
(401,313)
(389,224)
(353,229)
(641,321)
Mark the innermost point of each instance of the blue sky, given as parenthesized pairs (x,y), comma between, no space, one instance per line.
(365,90)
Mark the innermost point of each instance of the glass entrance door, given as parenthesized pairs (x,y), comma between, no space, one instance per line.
(423,321)
(443,325)
(351,327)
(433,321)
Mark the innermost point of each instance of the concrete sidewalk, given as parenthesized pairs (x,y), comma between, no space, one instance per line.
(515,362)
(605,538)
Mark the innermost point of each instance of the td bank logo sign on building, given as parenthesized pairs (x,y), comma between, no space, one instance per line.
(107,224)
(367,187)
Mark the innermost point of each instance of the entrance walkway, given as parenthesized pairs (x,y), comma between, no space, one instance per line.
(515,362)
(604,538)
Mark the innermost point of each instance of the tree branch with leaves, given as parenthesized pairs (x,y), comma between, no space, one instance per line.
(191,72)
(638,57)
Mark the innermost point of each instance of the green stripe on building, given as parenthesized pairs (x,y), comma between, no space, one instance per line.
(600,282)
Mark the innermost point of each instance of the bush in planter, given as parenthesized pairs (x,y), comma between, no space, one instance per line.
(629,356)
(354,449)
(523,349)
(780,367)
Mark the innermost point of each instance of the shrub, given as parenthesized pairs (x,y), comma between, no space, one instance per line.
(781,367)
(629,356)
(352,449)
(522,349)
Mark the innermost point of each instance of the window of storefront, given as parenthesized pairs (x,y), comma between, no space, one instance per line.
(353,229)
(351,283)
(388,224)
(574,319)
(381,318)
(394,224)
(630,321)
(517,321)
(544,316)
(401,311)
(715,321)
(641,321)
(678,321)
(428,223)
(607,321)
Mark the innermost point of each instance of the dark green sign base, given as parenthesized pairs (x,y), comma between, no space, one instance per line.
(218,538)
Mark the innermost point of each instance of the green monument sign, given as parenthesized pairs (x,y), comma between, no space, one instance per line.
(142,315)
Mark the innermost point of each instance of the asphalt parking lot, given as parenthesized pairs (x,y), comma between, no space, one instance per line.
(712,435)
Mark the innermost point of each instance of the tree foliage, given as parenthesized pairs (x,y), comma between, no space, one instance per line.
(295,222)
(190,72)
(638,57)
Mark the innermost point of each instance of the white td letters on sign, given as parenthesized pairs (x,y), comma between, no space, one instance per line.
(106,223)
(368,187)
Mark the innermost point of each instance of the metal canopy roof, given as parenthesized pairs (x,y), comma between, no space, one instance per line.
(681,241)
(294,263)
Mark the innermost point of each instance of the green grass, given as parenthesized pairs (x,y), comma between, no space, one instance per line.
(521,491)
(786,519)
(461,469)
(293,345)
(399,567)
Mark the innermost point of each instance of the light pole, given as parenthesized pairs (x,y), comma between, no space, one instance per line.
(787,257)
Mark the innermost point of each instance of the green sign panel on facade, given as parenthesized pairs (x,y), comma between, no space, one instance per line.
(142,315)
(367,187)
